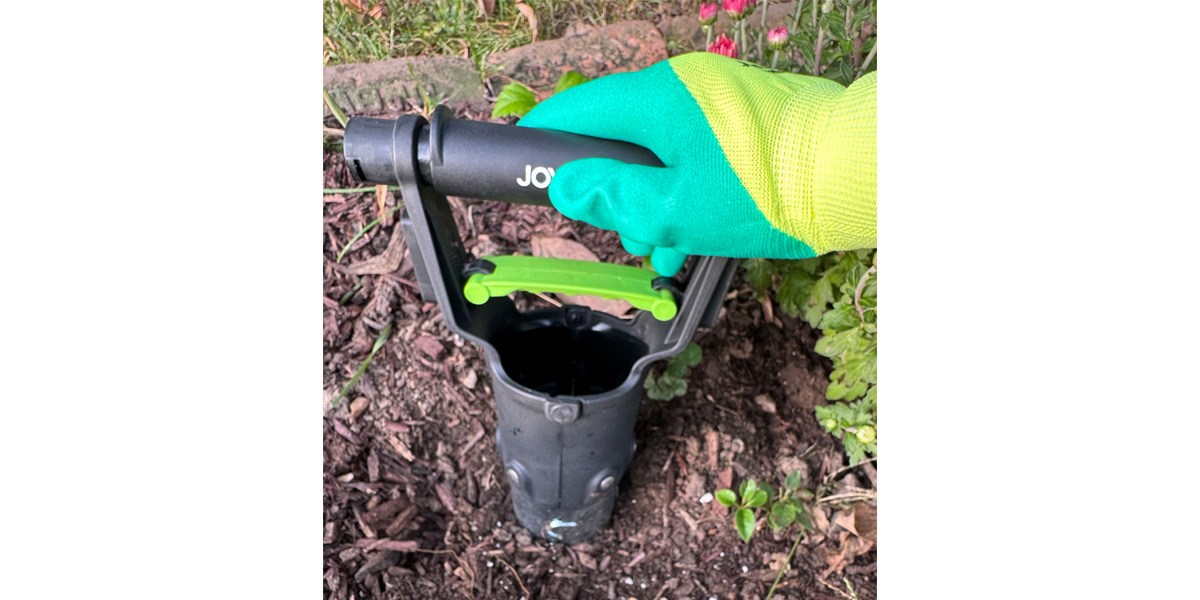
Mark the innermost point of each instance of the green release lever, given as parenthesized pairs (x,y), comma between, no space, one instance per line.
(565,276)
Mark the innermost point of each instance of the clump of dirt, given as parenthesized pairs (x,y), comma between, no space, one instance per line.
(416,504)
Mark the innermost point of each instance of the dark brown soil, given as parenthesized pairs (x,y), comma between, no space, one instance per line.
(415,502)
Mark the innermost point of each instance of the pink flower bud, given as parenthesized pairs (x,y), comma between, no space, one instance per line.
(724,46)
(738,9)
(708,14)
(777,38)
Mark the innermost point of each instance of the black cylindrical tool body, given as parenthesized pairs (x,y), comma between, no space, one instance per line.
(567,400)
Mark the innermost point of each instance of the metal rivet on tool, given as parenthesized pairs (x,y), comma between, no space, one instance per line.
(607,482)
(513,477)
(562,413)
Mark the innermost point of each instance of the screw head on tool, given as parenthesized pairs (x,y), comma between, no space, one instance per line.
(513,477)
(607,482)
(562,413)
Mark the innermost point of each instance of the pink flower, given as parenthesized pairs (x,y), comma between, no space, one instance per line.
(777,38)
(724,46)
(708,13)
(738,9)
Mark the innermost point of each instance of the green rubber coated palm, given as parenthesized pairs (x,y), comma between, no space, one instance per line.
(757,163)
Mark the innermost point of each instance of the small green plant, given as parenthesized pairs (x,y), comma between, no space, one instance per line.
(517,99)
(783,508)
(673,383)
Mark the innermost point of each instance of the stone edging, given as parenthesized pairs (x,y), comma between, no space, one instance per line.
(394,86)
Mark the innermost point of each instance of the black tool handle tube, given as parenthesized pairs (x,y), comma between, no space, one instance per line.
(514,164)
(477,159)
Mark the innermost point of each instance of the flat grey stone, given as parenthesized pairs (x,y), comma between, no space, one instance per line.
(394,86)
(624,46)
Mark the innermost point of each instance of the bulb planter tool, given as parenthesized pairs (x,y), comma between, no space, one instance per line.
(568,381)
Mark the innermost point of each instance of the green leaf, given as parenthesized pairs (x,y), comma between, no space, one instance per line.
(854,449)
(690,355)
(835,391)
(726,497)
(820,296)
(843,412)
(514,99)
(793,480)
(783,514)
(841,72)
(857,390)
(678,365)
(828,417)
(857,367)
(836,344)
(766,487)
(804,519)
(795,286)
(806,51)
(837,28)
(743,520)
(569,80)
(839,318)
(757,498)
(760,274)
(805,265)
(748,486)
(665,387)
(675,369)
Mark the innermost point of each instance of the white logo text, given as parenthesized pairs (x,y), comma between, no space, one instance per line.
(538,176)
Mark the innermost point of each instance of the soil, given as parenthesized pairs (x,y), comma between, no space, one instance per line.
(415,501)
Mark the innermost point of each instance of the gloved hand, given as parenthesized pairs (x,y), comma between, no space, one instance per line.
(759,164)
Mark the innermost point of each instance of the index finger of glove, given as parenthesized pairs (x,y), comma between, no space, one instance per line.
(629,107)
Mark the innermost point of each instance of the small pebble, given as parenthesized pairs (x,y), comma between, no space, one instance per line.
(745,569)
(706,498)
(490,564)
(627,581)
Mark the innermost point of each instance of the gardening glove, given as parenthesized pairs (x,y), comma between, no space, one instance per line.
(758,164)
